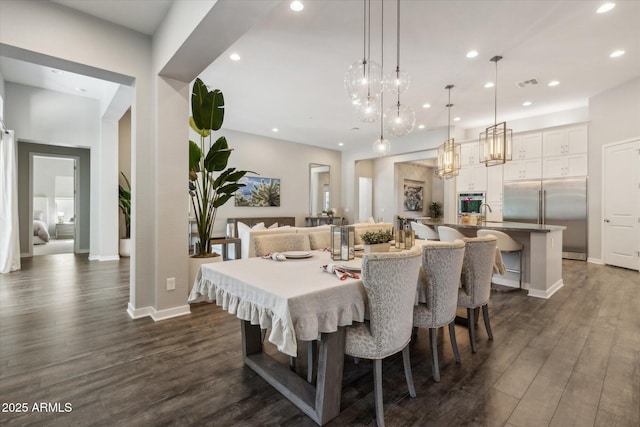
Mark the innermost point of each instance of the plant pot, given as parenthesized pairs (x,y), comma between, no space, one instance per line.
(194,266)
(377,247)
(125,247)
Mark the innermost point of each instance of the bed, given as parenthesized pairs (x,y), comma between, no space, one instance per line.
(40,220)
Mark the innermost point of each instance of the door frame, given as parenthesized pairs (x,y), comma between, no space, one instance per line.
(76,195)
(603,195)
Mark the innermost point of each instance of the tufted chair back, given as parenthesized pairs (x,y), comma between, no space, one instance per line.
(477,270)
(440,276)
(390,280)
(280,243)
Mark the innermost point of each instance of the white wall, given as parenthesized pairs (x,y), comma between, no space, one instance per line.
(614,117)
(416,175)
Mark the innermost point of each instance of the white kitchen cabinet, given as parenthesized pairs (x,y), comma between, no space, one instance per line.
(565,141)
(472,178)
(523,169)
(527,146)
(494,184)
(565,166)
(469,154)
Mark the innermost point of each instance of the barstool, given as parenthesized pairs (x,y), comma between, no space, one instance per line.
(506,244)
(448,234)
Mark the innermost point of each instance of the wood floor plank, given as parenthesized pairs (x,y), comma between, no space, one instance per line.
(65,336)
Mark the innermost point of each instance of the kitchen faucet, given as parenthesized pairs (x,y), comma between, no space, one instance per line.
(486,205)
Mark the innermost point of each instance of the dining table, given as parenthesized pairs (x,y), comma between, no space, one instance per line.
(296,300)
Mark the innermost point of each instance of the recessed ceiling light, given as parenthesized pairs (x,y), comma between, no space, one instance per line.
(274,130)
(81,89)
(472,54)
(488,84)
(526,103)
(54,71)
(420,126)
(456,119)
(340,144)
(426,105)
(553,83)
(606,7)
(616,53)
(296,6)
(234,57)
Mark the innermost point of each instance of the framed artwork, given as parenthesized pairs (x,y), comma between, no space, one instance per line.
(259,192)
(413,195)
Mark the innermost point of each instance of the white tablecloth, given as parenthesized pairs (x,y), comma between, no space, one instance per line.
(295,299)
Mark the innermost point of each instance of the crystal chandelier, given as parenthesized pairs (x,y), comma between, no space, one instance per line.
(399,119)
(495,141)
(448,153)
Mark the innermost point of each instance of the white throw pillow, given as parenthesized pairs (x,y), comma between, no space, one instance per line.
(274,225)
(371,220)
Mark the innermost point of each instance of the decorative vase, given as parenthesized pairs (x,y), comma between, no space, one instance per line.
(125,247)
(377,247)
(194,266)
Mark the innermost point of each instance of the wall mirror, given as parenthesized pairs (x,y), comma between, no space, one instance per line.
(319,196)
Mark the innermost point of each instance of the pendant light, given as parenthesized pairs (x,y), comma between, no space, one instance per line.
(363,79)
(448,153)
(399,119)
(382,146)
(495,141)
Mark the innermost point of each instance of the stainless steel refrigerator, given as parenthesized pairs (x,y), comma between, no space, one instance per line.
(551,202)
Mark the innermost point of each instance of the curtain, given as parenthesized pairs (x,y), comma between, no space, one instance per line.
(9,238)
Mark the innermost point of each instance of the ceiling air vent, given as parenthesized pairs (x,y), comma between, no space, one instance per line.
(527,83)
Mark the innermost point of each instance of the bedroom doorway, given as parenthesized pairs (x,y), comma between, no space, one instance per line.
(54,204)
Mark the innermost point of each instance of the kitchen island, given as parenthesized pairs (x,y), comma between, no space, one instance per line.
(541,255)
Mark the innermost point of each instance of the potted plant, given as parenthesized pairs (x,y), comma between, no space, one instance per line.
(376,241)
(435,210)
(125,208)
(211,183)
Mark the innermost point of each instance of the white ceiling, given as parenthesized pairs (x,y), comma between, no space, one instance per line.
(293,64)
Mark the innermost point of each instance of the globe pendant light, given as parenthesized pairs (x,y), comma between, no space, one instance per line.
(363,79)
(399,119)
(495,141)
(448,164)
(368,109)
(381,146)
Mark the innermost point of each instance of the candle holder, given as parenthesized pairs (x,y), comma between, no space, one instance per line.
(405,238)
(343,239)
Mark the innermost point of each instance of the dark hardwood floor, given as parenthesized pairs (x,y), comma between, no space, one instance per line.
(66,339)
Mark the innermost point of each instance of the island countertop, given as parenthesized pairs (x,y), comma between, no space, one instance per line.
(511,226)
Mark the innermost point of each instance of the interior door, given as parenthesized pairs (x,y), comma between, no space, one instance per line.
(621,231)
(365,198)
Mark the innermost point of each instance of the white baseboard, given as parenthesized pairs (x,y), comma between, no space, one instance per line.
(83,251)
(104,258)
(137,313)
(546,294)
(157,315)
(25,255)
(170,312)
(502,281)
(595,261)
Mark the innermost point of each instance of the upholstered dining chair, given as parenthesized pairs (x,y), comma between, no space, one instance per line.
(267,244)
(477,270)
(448,234)
(506,244)
(439,279)
(390,280)
(424,232)
(320,240)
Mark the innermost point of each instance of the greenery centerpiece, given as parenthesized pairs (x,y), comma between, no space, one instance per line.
(377,241)
(211,183)
(435,209)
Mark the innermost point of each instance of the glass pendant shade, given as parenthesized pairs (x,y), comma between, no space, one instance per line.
(397,82)
(399,120)
(496,145)
(368,109)
(363,78)
(381,147)
(448,159)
